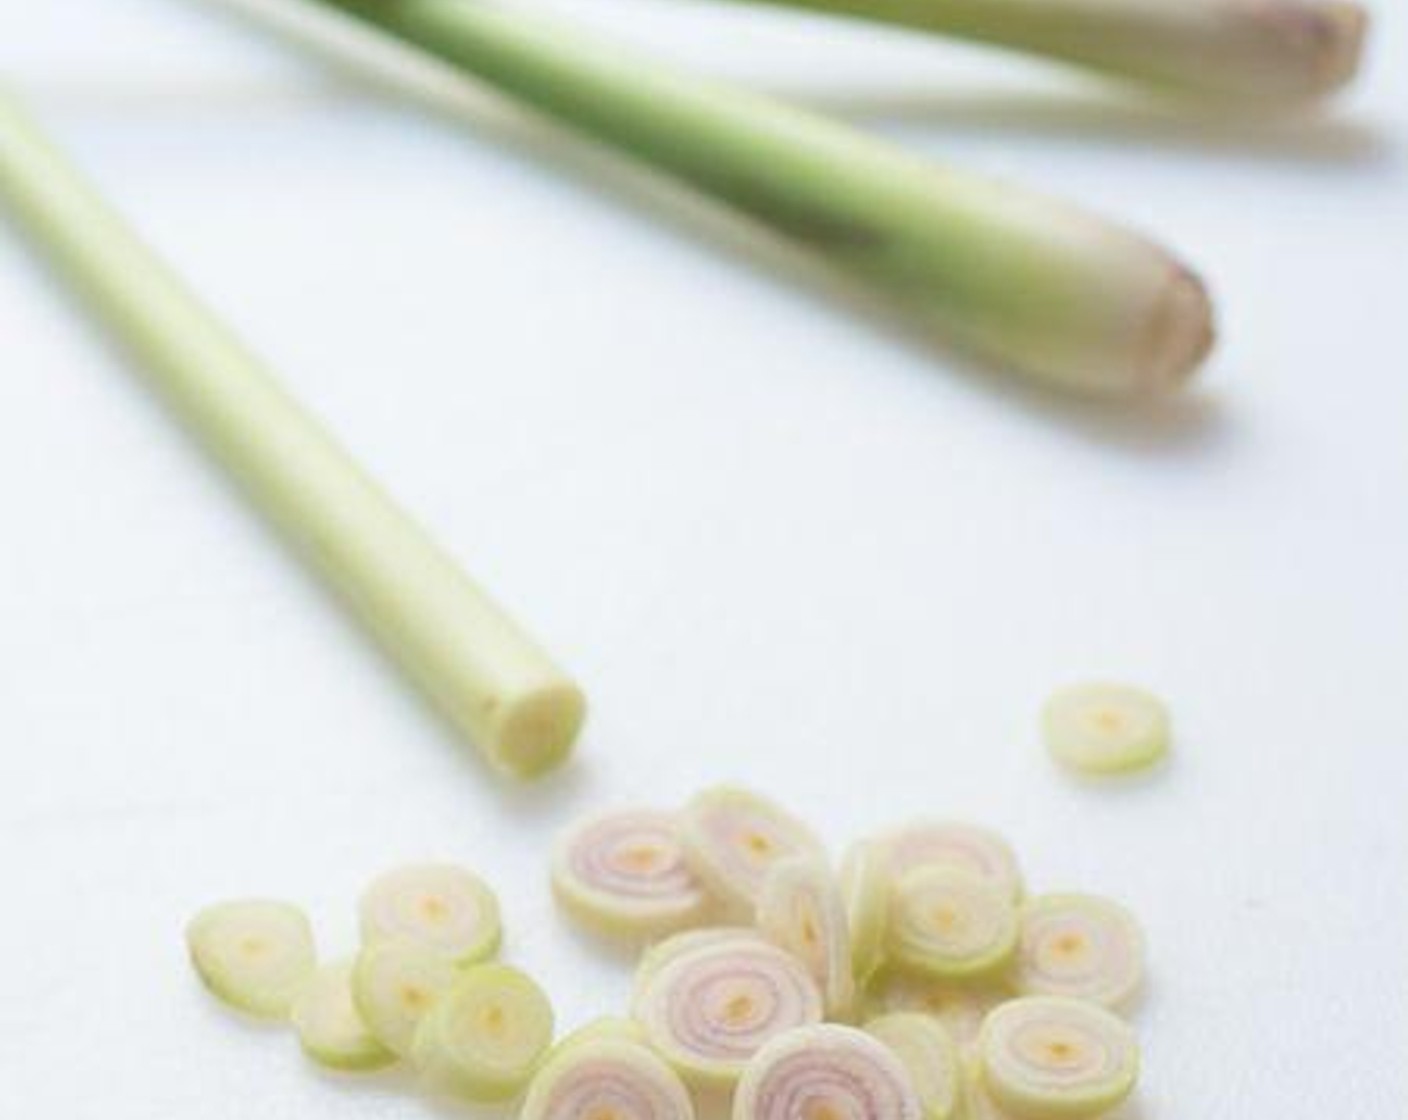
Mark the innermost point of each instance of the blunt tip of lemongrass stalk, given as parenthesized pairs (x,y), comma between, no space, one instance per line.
(536,731)
(1180,336)
(1340,32)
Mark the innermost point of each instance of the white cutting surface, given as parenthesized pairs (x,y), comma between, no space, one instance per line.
(777,543)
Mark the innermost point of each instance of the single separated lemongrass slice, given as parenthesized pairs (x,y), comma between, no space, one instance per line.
(677,945)
(1267,53)
(950,924)
(604,1078)
(800,910)
(1105,728)
(968,847)
(959,1007)
(623,873)
(865,886)
(1052,1058)
(822,1072)
(709,1010)
(1078,945)
(330,1028)
(394,986)
(732,837)
(484,1037)
(444,907)
(494,683)
(1021,280)
(930,1056)
(254,954)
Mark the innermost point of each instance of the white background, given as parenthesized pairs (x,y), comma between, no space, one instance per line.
(777,543)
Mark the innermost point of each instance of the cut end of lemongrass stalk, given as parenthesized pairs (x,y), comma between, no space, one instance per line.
(1180,337)
(394,986)
(709,1010)
(330,1028)
(1051,1058)
(1102,728)
(535,732)
(254,954)
(826,1071)
(446,908)
(606,1079)
(800,910)
(485,1036)
(1314,47)
(1346,28)
(624,874)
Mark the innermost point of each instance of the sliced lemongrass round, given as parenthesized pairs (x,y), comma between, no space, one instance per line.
(394,986)
(623,874)
(1105,728)
(1078,945)
(731,837)
(865,887)
(930,1056)
(445,907)
(676,945)
(969,847)
(960,1008)
(606,1078)
(330,1028)
(950,924)
(709,1010)
(1053,1058)
(800,910)
(254,954)
(483,1038)
(826,1071)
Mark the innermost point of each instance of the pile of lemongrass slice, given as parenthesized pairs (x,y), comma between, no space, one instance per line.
(918,980)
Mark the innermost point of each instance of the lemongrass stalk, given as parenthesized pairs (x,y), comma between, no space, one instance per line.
(1025,281)
(492,680)
(1268,53)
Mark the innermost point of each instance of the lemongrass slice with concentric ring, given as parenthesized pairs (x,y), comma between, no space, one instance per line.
(676,945)
(254,954)
(445,907)
(968,847)
(800,910)
(732,837)
(623,874)
(330,1029)
(960,1008)
(709,1010)
(394,985)
(1053,1058)
(484,1038)
(865,887)
(826,1071)
(950,924)
(1079,945)
(1105,728)
(606,1078)
(930,1056)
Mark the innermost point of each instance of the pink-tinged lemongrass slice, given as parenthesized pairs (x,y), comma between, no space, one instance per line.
(1105,728)
(951,925)
(676,945)
(865,887)
(446,908)
(483,1039)
(800,910)
(1053,1058)
(968,847)
(605,1078)
(960,1008)
(394,986)
(255,954)
(330,1028)
(929,1054)
(1079,945)
(623,874)
(709,1010)
(823,1072)
(732,837)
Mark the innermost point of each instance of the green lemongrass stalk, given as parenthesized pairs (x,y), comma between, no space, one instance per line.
(491,679)
(1267,52)
(1031,283)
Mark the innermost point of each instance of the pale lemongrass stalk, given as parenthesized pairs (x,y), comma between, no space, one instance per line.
(1267,53)
(491,679)
(1023,280)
